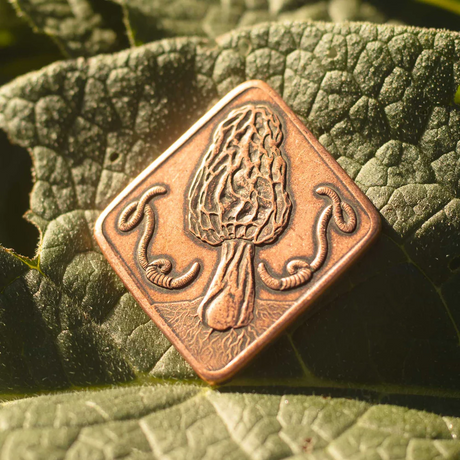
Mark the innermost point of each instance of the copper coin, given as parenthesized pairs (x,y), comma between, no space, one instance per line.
(235,230)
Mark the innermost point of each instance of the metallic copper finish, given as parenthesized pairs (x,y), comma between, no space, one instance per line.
(235,230)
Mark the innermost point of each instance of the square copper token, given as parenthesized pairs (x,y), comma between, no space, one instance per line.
(235,230)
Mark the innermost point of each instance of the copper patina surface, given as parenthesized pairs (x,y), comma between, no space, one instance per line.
(235,230)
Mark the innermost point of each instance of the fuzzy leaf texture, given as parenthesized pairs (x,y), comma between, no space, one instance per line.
(177,422)
(78,27)
(153,19)
(89,27)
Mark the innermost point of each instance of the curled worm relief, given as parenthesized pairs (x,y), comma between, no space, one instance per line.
(158,270)
(300,271)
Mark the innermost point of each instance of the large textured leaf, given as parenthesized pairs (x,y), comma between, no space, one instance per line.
(381,99)
(153,19)
(79,27)
(89,27)
(178,422)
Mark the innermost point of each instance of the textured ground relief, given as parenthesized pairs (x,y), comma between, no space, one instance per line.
(215,348)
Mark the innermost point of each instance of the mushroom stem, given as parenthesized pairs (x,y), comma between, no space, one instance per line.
(229,301)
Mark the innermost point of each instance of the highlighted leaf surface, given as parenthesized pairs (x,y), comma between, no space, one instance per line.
(176,422)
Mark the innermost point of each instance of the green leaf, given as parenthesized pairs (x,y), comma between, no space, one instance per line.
(79,27)
(450,5)
(21,50)
(165,421)
(381,99)
(151,20)
(89,27)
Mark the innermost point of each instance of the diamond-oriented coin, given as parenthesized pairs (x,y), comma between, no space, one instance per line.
(235,230)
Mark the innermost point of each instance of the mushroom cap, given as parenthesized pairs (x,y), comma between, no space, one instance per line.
(239,190)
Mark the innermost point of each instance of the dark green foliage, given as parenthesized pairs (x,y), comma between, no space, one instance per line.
(91,126)
(382,101)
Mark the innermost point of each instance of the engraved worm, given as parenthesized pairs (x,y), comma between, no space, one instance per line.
(300,272)
(339,206)
(157,270)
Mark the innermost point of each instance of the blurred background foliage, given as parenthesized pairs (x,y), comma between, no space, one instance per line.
(63,29)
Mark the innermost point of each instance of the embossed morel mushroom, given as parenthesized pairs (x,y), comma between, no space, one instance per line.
(238,199)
